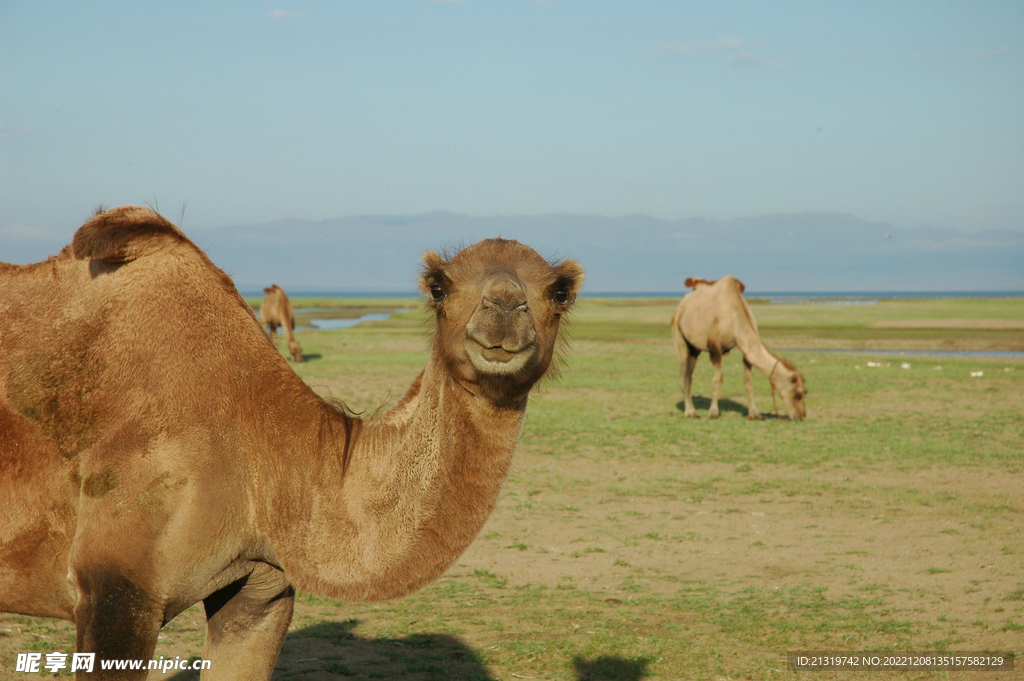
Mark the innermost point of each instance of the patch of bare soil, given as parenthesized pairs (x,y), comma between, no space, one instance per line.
(941,546)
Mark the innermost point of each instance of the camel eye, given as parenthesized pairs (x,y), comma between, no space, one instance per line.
(561,296)
(436,292)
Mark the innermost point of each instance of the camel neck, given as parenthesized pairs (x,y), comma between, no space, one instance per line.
(288,333)
(389,503)
(757,354)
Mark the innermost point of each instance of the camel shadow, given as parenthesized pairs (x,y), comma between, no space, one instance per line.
(311,356)
(702,404)
(331,650)
(610,668)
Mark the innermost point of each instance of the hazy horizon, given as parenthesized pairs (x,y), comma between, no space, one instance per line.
(808,252)
(529,112)
(798,252)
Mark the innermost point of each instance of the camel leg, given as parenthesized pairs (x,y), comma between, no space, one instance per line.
(716,382)
(117,621)
(686,381)
(246,623)
(748,382)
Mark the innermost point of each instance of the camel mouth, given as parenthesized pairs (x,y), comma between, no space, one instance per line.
(497,360)
(498,354)
(796,414)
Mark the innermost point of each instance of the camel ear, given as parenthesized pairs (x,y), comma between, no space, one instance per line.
(568,279)
(268,290)
(124,234)
(433,281)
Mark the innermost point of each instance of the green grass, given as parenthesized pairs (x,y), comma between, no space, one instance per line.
(606,450)
(630,542)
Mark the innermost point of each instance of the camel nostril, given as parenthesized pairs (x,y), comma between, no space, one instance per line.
(505,303)
(502,325)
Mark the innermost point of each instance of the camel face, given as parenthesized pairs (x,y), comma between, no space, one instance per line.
(793,391)
(277,311)
(295,350)
(498,306)
(501,337)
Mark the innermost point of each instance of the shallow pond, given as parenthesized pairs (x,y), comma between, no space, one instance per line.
(329,323)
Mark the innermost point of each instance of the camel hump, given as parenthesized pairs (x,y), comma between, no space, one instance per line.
(733,280)
(123,234)
(694,282)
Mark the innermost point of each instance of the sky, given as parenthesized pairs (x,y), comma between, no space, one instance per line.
(235,113)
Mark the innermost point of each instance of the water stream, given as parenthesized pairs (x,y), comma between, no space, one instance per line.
(331,323)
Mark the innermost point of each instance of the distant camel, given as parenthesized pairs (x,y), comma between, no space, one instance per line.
(276,311)
(156,450)
(714,318)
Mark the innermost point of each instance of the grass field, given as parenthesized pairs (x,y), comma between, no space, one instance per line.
(632,543)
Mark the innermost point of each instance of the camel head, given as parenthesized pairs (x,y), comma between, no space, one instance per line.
(498,305)
(295,349)
(790,384)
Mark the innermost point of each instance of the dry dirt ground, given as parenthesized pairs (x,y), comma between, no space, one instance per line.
(603,561)
(765,527)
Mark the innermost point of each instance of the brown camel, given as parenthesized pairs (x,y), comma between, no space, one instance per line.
(277,311)
(714,318)
(156,450)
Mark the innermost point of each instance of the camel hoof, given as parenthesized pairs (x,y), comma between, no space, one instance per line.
(755,417)
(692,415)
(713,416)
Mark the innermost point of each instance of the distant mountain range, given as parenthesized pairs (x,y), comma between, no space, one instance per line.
(801,252)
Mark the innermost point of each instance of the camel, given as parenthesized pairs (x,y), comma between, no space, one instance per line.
(156,450)
(276,311)
(714,318)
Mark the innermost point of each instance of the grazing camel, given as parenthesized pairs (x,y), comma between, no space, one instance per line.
(276,311)
(714,318)
(156,450)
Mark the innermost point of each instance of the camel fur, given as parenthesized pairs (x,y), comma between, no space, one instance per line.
(277,311)
(156,450)
(714,318)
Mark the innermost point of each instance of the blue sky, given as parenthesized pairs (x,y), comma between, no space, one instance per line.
(906,112)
